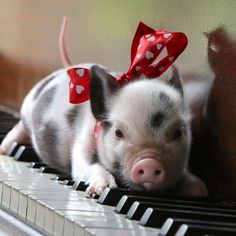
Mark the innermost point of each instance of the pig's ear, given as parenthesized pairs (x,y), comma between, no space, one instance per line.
(102,85)
(175,80)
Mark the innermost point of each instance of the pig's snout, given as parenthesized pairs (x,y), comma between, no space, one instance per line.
(148,172)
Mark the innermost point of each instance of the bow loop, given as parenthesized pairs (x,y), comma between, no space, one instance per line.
(78,85)
(147,46)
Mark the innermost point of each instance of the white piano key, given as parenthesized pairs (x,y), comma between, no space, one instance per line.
(41,205)
(84,205)
(7,190)
(117,221)
(58,226)
(74,214)
(57,209)
(79,220)
(14,200)
(119,232)
(59,216)
(43,195)
(35,196)
(12,191)
(6,195)
(31,209)
(85,208)
(16,194)
(68,228)
(23,197)
(40,215)
(0,190)
(49,220)
(23,200)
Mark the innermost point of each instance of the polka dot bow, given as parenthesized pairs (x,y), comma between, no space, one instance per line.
(147,45)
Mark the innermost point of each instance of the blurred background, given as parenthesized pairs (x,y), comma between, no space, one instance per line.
(99,31)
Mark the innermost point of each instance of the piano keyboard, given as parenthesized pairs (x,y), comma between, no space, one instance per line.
(54,205)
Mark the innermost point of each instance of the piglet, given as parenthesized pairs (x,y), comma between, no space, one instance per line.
(143,139)
(137,134)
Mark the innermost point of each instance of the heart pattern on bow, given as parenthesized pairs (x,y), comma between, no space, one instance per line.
(80,72)
(149,55)
(151,39)
(79,89)
(79,85)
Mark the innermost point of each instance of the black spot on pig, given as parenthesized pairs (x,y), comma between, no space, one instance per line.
(71,115)
(116,172)
(94,158)
(116,167)
(42,85)
(157,119)
(106,125)
(42,105)
(165,99)
(49,133)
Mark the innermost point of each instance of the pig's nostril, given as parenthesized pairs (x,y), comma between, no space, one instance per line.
(141,172)
(157,172)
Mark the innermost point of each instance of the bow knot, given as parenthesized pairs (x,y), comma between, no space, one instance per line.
(147,45)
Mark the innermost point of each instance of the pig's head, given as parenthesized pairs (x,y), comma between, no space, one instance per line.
(145,136)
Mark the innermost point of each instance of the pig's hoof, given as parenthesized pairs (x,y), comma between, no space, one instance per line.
(98,183)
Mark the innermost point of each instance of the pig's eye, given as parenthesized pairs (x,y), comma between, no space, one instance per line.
(119,133)
(178,133)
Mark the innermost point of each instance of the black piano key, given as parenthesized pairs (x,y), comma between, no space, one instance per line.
(48,170)
(196,230)
(140,207)
(55,178)
(168,228)
(111,196)
(155,217)
(36,165)
(171,225)
(126,202)
(2,136)
(11,151)
(26,154)
(135,212)
(80,186)
(63,178)
(68,182)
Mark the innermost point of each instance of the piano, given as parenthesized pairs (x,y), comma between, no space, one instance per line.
(43,202)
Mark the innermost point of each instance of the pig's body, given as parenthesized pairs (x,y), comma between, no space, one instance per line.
(144,139)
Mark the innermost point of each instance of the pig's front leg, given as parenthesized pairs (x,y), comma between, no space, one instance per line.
(86,167)
(99,179)
(18,134)
(192,185)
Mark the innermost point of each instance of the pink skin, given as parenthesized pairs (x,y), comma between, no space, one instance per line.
(149,173)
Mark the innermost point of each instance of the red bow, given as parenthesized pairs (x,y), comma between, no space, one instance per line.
(146,47)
